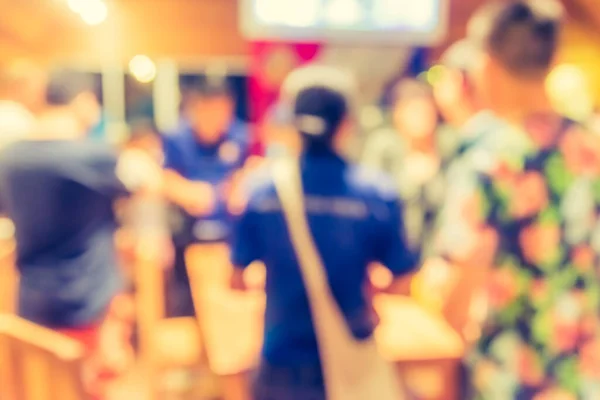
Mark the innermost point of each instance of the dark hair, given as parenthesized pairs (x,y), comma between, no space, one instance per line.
(410,88)
(210,86)
(523,37)
(65,85)
(318,113)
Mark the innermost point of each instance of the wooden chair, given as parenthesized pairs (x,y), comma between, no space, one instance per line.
(9,281)
(37,363)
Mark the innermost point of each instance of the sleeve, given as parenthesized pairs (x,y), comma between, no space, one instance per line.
(245,239)
(99,173)
(391,246)
(467,212)
(173,159)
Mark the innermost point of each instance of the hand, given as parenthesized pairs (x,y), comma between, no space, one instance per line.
(199,199)
(237,200)
(138,171)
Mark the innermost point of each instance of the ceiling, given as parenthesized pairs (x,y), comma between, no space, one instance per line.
(47,29)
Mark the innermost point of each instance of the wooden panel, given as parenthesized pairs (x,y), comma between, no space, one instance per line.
(158,28)
(176,28)
(39,364)
(183,29)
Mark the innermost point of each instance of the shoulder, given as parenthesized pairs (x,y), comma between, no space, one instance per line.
(14,152)
(260,186)
(174,136)
(16,122)
(92,150)
(239,132)
(371,184)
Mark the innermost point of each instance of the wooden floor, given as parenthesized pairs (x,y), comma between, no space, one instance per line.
(176,385)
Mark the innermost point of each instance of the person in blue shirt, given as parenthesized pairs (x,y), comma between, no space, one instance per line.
(355,217)
(201,161)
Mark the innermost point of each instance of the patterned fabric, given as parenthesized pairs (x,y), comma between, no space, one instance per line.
(420,179)
(541,194)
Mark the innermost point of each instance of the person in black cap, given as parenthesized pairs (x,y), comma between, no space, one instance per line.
(355,217)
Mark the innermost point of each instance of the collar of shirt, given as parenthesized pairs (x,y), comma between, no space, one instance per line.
(476,128)
(477,123)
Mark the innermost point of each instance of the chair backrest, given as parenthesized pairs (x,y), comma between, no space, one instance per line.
(9,281)
(37,363)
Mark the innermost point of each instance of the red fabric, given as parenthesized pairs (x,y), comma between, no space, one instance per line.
(107,347)
(88,336)
(266,77)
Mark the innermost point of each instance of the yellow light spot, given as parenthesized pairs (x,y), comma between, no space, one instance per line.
(142,68)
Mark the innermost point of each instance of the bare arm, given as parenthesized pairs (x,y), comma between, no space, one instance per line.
(461,308)
(197,198)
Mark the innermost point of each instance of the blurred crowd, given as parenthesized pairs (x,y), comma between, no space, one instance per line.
(473,177)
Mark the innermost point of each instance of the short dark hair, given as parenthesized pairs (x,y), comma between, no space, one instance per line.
(64,85)
(210,86)
(522,36)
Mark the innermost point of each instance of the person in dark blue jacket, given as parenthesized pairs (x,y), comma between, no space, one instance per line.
(201,161)
(355,217)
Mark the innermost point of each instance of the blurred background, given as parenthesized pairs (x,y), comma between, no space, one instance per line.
(141,52)
(144,54)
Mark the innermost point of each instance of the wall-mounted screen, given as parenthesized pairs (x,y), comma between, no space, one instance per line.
(412,22)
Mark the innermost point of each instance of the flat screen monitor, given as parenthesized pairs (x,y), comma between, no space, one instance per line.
(410,22)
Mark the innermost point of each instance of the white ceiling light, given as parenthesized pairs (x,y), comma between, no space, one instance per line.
(93,12)
(76,5)
(142,68)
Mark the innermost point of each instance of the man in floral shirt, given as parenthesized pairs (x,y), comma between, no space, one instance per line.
(530,234)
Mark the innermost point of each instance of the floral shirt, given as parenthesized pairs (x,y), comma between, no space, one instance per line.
(541,196)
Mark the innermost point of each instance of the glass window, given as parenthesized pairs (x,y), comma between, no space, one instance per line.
(139,103)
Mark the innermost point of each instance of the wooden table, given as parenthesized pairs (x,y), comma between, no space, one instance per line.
(425,348)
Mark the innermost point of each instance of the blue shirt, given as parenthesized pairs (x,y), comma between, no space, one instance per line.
(59,195)
(213,164)
(355,218)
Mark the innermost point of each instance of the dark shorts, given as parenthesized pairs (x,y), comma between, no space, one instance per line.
(178,293)
(288,383)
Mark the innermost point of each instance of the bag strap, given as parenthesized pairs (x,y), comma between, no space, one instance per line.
(289,190)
